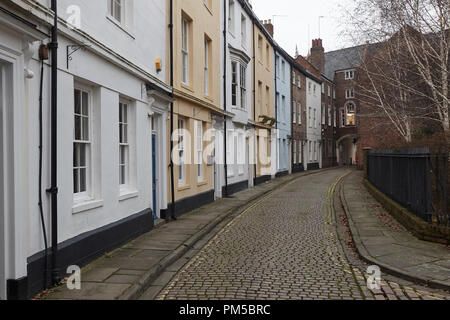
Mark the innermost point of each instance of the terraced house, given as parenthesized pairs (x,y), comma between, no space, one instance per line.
(234,131)
(283,111)
(84,101)
(263,100)
(196,90)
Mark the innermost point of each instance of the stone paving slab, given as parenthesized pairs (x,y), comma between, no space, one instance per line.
(127,271)
(388,244)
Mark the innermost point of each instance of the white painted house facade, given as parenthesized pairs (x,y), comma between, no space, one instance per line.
(113,104)
(236,100)
(313,147)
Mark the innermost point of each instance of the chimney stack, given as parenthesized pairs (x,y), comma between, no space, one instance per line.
(269,26)
(318,55)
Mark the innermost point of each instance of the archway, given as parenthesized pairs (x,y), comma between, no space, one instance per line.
(346,150)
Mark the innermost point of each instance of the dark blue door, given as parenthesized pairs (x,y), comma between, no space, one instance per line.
(154,174)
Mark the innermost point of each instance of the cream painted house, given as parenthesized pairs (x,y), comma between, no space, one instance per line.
(196,87)
(263,105)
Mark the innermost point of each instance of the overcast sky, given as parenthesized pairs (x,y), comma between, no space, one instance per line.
(296,17)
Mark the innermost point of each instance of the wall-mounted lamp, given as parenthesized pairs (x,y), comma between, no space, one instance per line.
(158,65)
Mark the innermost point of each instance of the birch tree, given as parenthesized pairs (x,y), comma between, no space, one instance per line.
(406,62)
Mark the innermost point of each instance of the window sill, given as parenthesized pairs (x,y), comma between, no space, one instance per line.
(187,87)
(120,26)
(128,194)
(208,97)
(184,188)
(202,183)
(79,207)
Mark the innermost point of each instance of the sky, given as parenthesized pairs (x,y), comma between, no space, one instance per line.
(296,22)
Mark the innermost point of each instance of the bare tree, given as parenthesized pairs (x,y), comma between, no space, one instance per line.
(406,61)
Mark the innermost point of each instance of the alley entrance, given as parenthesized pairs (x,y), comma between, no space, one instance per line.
(346,150)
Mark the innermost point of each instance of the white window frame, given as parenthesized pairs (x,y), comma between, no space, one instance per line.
(87,142)
(230,153)
(300,113)
(124,144)
(299,81)
(349,74)
(293,78)
(234,83)
(241,153)
(243,30)
(329,116)
(231,16)
(310,117)
(117,16)
(199,150)
(323,113)
(185,29)
(349,93)
(182,152)
(335,118)
(206,67)
(315,118)
(294,147)
(294,112)
(243,85)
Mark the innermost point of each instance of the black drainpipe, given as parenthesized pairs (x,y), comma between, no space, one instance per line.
(172,179)
(53,45)
(225,95)
(254,102)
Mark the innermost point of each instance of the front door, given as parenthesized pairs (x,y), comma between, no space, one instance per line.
(2,186)
(154,176)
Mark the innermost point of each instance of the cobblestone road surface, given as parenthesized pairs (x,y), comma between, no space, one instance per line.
(284,247)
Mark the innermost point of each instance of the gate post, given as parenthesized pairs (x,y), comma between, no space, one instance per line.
(366,161)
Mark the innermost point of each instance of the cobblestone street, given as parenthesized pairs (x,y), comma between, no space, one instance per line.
(286,246)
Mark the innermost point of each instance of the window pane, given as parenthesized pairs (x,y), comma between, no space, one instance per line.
(85,122)
(83,187)
(85,107)
(77,128)
(77,102)
(75,181)
(122,175)
(75,155)
(82,155)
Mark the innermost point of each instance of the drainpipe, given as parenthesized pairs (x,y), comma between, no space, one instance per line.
(172,179)
(225,96)
(276,113)
(254,102)
(53,191)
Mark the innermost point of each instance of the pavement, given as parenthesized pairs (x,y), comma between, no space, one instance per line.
(128,271)
(382,241)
